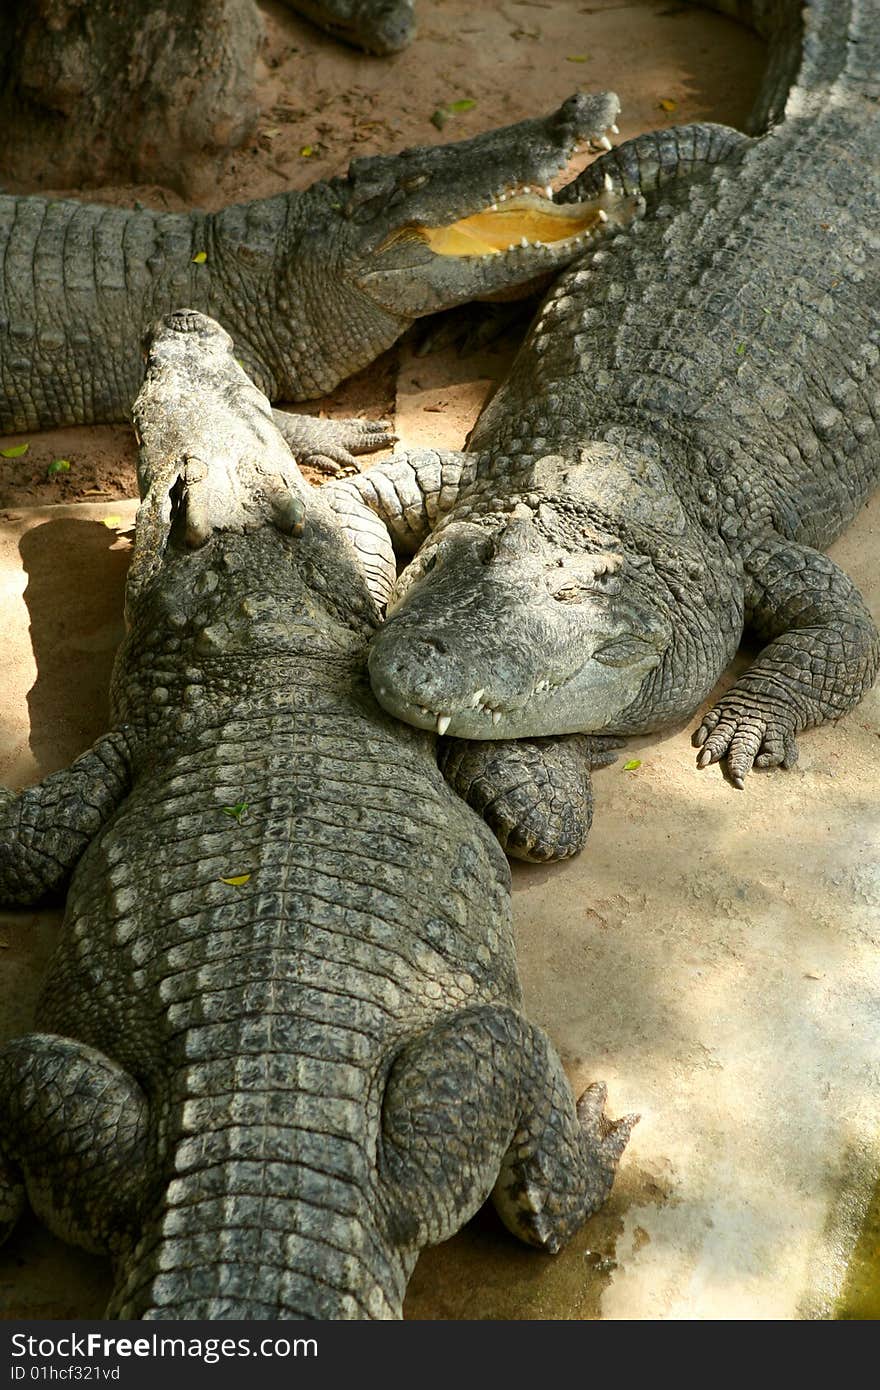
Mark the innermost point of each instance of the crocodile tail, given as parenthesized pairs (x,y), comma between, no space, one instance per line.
(266,1204)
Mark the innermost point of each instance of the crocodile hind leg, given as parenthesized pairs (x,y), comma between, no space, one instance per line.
(535,794)
(44,829)
(822,656)
(72,1135)
(480,1105)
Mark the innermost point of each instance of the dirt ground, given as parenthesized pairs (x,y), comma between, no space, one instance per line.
(712,954)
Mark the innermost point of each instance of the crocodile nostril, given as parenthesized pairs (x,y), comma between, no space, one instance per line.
(429,646)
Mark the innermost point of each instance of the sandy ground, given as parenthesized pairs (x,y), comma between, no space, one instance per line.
(713,953)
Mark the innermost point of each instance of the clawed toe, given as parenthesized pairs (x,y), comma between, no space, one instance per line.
(605,1139)
(746,740)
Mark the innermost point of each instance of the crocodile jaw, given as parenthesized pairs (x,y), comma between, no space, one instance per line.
(505,245)
(437,226)
(590,701)
(499,634)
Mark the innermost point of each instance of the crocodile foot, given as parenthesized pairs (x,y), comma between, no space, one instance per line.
(749,732)
(536,794)
(331,446)
(604,1140)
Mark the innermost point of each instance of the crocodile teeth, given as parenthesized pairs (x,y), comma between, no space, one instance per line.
(523,241)
(443,722)
(608,183)
(615,129)
(477,698)
(548,193)
(423,709)
(602,215)
(496,716)
(605,143)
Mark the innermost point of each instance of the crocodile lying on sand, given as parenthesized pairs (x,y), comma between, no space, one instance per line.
(692,418)
(312,285)
(281,1045)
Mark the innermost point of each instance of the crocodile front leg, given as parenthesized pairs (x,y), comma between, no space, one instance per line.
(44,829)
(535,794)
(394,505)
(73,1136)
(331,445)
(445,1150)
(823,654)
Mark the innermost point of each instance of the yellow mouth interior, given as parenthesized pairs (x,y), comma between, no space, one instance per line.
(491,232)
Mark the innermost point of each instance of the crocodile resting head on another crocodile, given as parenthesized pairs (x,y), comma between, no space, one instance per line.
(692,419)
(281,1044)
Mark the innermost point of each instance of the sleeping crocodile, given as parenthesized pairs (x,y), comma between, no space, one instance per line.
(280,1046)
(312,285)
(692,418)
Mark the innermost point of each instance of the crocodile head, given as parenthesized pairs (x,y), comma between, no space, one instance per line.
(427,229)
(596,609)
(214,470)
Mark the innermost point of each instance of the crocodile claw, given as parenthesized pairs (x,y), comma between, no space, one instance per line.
(747,736)
(604,1139)
(332,446)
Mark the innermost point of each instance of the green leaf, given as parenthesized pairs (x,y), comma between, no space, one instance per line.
(14,451)
(58,466)
(200,257)
(667,104)
(237,881)
(307,151)
(236,811)
(463,104)
(577,57)
(740,349)
(632,764)
(439,118)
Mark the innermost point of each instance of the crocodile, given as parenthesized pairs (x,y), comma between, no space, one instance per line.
(692,419)
(377,26)
(312,285)
(280,1045)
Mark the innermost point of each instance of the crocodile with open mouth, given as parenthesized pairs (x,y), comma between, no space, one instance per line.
(692,418)
(312,285)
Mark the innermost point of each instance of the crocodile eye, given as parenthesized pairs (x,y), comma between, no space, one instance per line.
(569,593)
(623,651)
(429,563)
(412,182)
